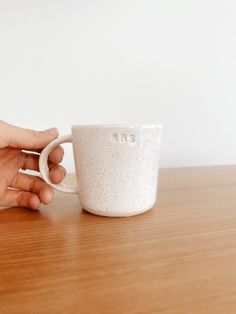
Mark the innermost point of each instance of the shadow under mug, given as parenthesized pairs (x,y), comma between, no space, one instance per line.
(116,167)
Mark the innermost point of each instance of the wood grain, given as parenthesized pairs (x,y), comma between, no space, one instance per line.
(179,257)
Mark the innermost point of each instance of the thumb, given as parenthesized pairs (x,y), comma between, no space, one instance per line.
(16,137)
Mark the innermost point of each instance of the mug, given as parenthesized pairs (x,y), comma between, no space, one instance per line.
(116,167)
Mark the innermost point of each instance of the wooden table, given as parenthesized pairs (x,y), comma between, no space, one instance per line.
(179,257)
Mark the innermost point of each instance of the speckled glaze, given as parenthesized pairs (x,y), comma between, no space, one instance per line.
(116,167)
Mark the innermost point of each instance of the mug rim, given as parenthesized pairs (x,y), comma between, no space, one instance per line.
(78,126)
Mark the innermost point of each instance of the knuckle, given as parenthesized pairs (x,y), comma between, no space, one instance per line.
(20,199)
(36,184)
(33,185)
(16,180)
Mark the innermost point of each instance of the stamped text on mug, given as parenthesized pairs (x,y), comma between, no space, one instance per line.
(123,138)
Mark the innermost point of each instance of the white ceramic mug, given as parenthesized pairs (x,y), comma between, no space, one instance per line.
(116,167)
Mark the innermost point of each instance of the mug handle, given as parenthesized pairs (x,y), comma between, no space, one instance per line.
(43,165)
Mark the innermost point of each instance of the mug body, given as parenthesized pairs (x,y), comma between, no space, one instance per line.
(117,167)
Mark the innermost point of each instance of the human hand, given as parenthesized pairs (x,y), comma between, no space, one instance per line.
(21,189)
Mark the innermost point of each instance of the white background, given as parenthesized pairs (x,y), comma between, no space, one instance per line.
(167,61)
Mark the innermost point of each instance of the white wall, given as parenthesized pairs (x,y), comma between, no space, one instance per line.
(167,61)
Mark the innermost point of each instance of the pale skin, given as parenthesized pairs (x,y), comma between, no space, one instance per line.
(21,189)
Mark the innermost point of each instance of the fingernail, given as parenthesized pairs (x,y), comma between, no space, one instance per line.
(52,131)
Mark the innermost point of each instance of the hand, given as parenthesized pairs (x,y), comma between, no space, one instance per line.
(21,189)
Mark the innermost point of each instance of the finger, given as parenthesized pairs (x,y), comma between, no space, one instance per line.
(57,155)
(31,162)
(24,138)
(35,185)
(57,174)
(21,199)
(28,161)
